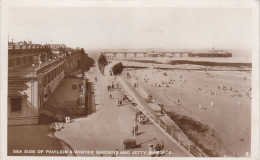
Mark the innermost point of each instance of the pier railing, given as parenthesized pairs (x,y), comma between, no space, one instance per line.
(191,149)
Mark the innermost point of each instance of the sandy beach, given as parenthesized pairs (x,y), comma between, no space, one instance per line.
(219,99)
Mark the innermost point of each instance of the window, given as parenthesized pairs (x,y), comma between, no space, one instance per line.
(44,81)
(30,59)
(24,60)
(16,104)
(10,63)
(17,61)
(51,74)
(49,78)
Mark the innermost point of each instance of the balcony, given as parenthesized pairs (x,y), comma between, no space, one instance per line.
(33,71)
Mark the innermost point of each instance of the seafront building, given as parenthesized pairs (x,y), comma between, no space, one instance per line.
(34,73)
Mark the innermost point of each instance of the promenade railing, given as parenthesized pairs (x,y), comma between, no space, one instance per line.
(169,131)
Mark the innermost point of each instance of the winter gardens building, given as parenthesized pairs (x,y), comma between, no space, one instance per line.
(34,73)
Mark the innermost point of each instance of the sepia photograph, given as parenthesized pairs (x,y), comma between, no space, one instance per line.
(144,79)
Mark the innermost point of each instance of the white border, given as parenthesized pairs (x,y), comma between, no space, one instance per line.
(253,4)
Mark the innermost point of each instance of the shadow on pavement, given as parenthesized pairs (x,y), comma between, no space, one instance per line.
(33,137)
(139,133)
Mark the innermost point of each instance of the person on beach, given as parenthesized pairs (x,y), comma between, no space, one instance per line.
(96,79)
(110,96)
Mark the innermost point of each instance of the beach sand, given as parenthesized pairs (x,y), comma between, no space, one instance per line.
(227,112)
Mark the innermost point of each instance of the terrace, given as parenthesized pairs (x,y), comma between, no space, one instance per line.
(33,70)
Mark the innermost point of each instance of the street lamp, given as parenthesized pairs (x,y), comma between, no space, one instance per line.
(40,64)
(33,68)
(39,60)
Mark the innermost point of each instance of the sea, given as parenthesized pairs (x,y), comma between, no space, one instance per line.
(237,57)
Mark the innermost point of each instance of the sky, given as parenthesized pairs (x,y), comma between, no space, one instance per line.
(133,27)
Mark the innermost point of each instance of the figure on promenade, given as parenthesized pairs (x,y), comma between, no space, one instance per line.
(157,149)
(136,116)
(161,110)
(151,149)
(136,128)
(161,145)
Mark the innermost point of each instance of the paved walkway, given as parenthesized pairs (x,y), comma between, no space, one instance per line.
(106,129)
(156,110)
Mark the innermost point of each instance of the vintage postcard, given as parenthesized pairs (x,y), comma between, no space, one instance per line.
(132,79)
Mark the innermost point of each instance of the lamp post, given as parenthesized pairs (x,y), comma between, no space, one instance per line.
(40,64)
(33,68)
(39,60)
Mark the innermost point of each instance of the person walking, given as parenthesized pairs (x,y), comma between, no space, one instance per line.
(136,128)
(136,116)
(157,150)
(161,145)
(161,110)
(151,150)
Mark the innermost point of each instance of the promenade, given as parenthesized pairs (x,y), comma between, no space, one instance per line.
(107,129)
(97,134)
